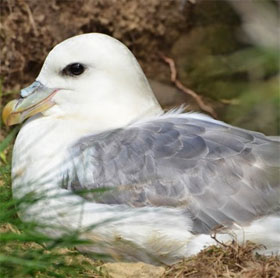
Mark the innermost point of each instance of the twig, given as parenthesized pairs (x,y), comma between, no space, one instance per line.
(31,19)
(213,236)
(187,91)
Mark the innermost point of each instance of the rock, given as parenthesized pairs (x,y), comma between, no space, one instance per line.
(133,270)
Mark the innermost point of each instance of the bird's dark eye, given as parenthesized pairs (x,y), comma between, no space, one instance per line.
(74,69)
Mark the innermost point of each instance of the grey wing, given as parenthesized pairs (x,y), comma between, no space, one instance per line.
(217,174)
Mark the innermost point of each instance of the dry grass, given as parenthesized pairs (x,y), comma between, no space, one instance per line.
(231,261)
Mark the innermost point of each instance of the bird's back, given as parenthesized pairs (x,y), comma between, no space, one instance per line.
(216,174)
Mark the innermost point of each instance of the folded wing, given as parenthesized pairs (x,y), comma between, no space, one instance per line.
(215,173)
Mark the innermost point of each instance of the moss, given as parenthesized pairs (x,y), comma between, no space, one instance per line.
(205,12)
(258,108)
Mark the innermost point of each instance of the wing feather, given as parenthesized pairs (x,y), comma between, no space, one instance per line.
(215,173)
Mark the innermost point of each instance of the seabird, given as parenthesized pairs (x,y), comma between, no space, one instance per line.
(140,183)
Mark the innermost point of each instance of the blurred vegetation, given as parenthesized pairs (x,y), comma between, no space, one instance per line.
(218,59)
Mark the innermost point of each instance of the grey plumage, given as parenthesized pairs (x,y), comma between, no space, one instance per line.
(215,173)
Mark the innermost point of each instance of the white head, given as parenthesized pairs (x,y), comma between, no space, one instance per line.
(92,79)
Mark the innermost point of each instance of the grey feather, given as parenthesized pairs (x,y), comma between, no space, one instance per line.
(215,173)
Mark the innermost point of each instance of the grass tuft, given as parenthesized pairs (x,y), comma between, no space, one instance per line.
(25,252)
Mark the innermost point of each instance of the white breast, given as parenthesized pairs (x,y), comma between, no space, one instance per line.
(38,152)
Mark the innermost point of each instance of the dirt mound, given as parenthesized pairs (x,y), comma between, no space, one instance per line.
(29,29)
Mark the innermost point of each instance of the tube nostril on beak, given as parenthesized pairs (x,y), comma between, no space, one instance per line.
(30,89)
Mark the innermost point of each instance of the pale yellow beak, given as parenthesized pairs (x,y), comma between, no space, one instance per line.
(34,99)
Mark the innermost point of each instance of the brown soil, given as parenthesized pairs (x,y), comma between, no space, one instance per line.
(30,28)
